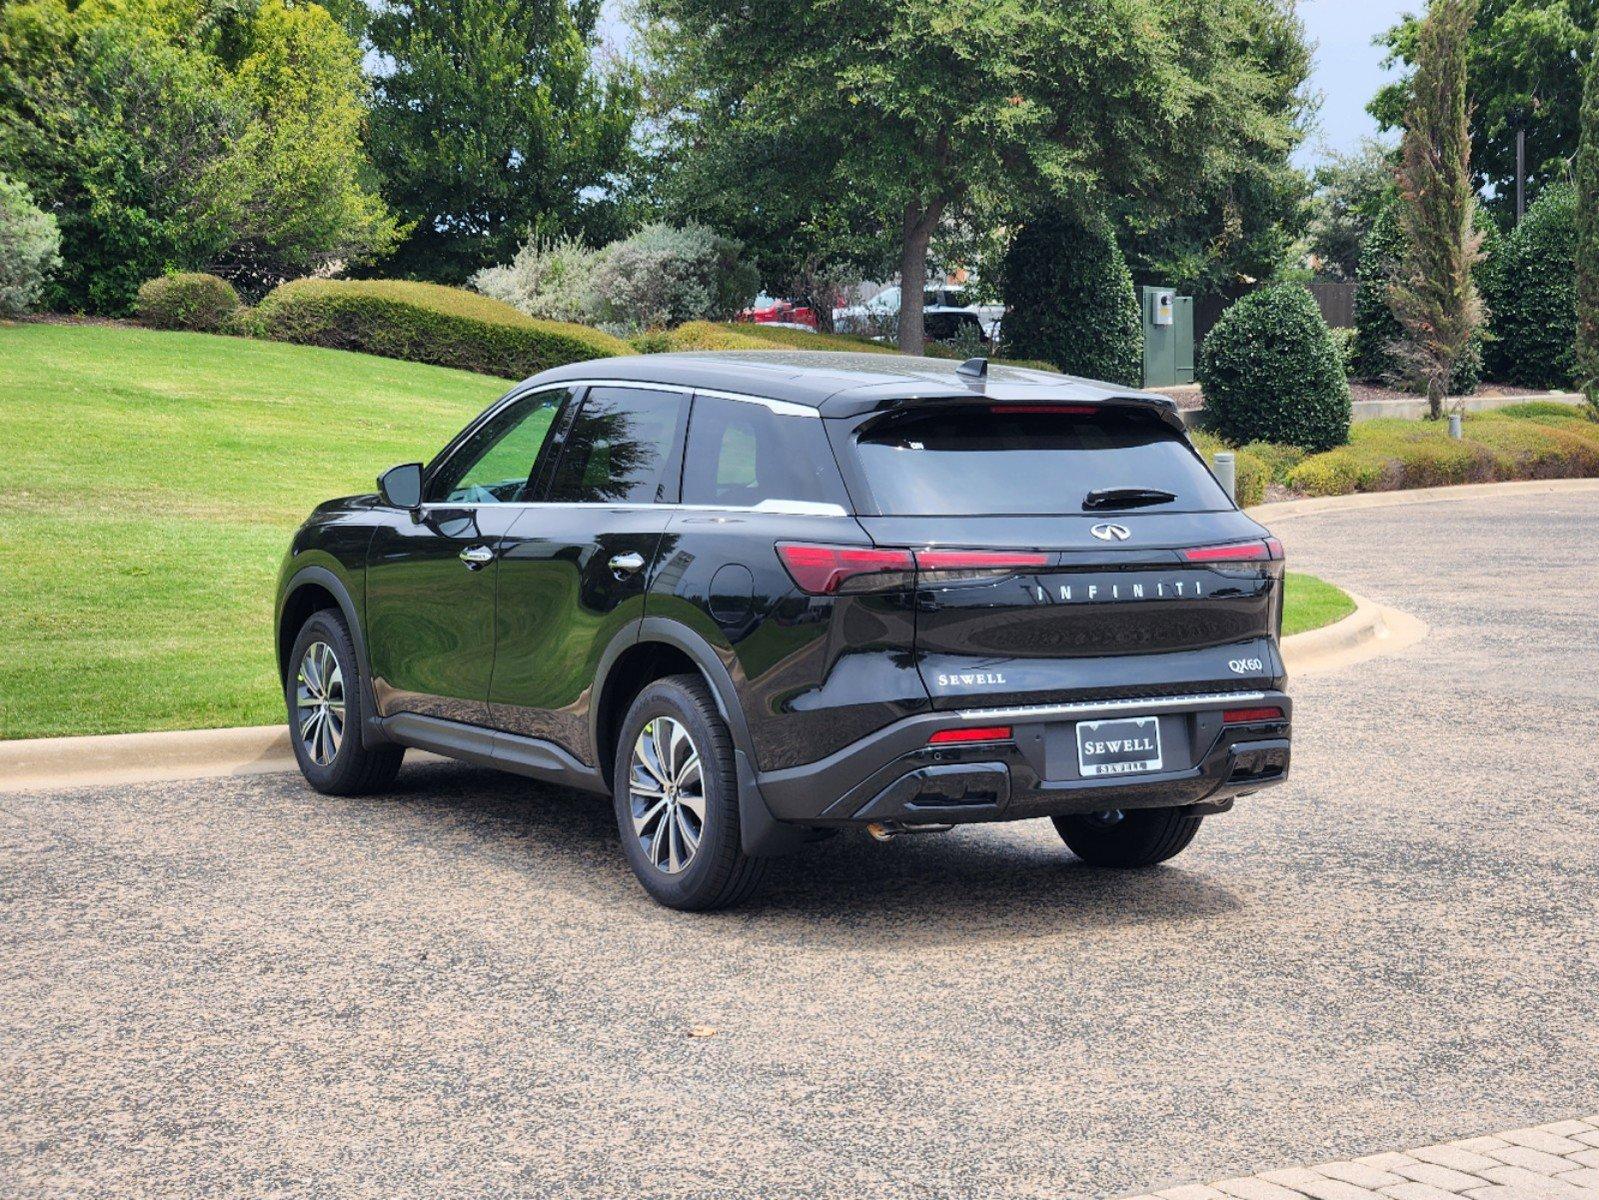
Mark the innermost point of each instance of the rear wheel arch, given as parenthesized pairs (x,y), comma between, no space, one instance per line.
(656,648)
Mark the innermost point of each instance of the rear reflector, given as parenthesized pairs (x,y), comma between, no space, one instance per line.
(823,570)
(981,733)
(1234,552)
(1244,716)
(979,560)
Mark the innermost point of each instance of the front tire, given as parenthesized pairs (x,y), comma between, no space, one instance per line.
(676,797)
(323,694)
(1139,837)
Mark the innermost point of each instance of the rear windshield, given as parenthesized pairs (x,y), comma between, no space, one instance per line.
(1003,460)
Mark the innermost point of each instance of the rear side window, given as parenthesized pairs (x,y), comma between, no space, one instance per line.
(1010,460)
(741,454)
(618,446)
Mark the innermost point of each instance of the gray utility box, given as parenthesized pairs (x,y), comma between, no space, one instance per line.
(1168,338)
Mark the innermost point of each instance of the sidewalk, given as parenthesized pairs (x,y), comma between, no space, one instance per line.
(1549,1162)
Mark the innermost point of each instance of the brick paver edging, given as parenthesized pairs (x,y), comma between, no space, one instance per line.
(1548,1162)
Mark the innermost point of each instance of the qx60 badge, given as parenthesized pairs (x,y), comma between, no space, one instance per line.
(1111,533)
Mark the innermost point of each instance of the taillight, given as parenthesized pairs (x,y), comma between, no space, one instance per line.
(979,560)
(1246,716)
(1264,551)
(826,570)
(979,733)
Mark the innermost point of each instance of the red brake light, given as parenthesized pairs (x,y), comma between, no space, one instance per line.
(1236,552)
(1244,716)
(981,733)
(979,560)
(1071,410)
(823,570)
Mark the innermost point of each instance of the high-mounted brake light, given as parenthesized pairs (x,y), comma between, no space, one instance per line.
(1070,410)
(1234,552)
(823,570)
(1246,716)
(979,560)
(980,733)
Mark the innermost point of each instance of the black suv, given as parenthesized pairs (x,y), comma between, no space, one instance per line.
(760,596)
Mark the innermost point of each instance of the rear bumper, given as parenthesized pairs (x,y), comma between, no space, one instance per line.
(894,775)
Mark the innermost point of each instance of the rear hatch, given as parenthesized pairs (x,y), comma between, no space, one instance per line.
(1067,552)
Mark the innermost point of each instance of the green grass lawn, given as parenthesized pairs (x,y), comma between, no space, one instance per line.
(151,484)
(1309,603)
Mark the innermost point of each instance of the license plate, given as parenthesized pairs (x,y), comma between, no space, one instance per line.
(1128,746)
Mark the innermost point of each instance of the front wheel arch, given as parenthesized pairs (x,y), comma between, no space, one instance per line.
(310,590)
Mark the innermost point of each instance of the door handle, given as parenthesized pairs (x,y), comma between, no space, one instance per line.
(624,565)
(477,556)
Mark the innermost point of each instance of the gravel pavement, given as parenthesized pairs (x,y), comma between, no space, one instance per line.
(235,987)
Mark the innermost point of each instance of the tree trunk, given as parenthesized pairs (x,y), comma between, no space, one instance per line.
(1436,391)
(919,226)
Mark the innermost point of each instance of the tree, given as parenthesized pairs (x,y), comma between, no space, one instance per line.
(1433,295)
(1586,172)
(1526,60)
(1532,295)
(187,135)
(889,120)
(1069,299)
(491,124)
(1351,192)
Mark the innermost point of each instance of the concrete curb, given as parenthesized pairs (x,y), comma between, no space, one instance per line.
(1285,510)
(41,764)
(1371,630)
(34,764)
(1410,408)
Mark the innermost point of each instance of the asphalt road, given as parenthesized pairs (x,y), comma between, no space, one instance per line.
(240,988)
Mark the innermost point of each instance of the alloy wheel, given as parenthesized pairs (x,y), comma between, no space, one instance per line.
(666,793)
(319,703)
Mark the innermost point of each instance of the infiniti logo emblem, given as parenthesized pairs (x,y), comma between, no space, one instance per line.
(1111,533)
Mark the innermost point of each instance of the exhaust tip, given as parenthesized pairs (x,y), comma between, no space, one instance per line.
(887,831)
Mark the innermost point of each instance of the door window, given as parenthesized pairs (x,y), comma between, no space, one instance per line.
(495,465)
(740,454)
(618,448)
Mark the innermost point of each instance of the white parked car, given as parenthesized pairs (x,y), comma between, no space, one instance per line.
(882,310)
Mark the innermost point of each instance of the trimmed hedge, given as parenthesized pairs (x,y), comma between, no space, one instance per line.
(427,323)
(186,300)
(749,335)
(1525,442)
(1532,295)
(1270,372)
(1069,300)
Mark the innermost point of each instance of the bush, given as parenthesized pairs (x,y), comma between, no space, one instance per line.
(1270,372)
(1250,472)
(741,335)
(429,323)
(186,301)
(551,279)
(30,246)
(1371,358)
(1391,454)
(1344,343)
(1069,300)
(1532,295)
(664,276)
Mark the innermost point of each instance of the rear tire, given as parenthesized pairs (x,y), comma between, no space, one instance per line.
(676,797)
(323,690)
(1139,837)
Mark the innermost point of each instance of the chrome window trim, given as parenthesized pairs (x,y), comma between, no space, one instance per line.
(790,508)
(784,408)
(1046,711)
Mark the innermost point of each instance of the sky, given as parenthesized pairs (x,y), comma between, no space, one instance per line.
(1347,68)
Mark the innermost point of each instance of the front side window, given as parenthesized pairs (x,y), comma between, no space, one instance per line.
(618,446)
(1017,460)
(495,465)
(741,454)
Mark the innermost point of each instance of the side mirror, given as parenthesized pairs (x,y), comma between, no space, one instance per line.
(401,486)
